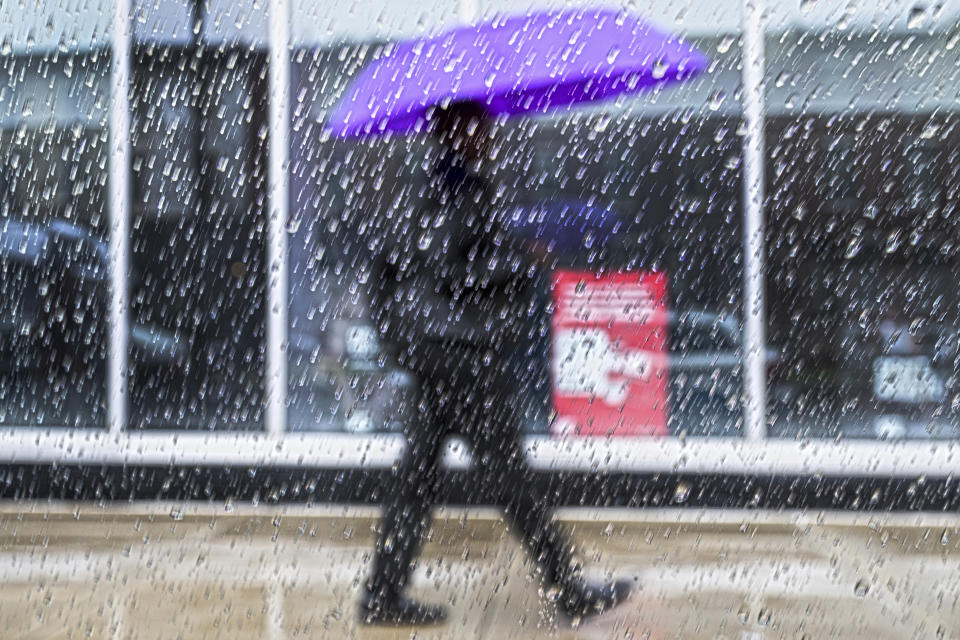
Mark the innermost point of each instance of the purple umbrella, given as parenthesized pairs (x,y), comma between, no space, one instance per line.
(514,65)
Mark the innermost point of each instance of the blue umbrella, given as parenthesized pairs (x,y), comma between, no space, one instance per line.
(565,226)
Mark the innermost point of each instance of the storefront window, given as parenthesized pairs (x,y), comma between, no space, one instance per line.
(656,177)
(338,377)
(197,279)
(54,90)
(861,236)
(861,326)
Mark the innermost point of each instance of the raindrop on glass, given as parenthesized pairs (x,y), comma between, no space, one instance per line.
(861,588)
(659,69)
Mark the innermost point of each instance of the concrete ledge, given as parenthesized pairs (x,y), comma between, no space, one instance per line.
(64,523)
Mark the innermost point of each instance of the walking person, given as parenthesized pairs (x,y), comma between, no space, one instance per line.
(452,290)
(452,295)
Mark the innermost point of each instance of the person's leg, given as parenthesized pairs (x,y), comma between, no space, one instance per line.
(506,477)
(408,500)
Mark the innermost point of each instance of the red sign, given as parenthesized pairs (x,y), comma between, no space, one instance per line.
(609,357)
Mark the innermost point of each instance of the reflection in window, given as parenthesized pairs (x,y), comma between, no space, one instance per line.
(198,274)
(53,181)
(660,181)
(861,286)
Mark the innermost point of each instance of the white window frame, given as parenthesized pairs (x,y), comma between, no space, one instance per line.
(752,454)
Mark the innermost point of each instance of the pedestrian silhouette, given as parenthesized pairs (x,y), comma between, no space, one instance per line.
(451,297)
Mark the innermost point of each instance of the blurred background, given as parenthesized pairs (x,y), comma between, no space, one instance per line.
(858,202)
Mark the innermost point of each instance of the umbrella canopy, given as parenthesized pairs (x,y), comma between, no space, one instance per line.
(530,63)
(568,225)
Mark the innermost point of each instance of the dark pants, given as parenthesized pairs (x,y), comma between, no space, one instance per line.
(471,391)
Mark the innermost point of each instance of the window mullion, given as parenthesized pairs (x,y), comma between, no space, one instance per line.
(278,197)
(754,326)
(119,212)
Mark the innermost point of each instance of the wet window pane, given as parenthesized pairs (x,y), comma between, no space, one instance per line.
(54,92)
(340,378)
(197,280)
(861,234)
(655,180)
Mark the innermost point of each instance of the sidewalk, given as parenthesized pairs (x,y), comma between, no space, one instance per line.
(169,570)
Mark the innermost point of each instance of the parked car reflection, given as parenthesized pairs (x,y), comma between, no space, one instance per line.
(706,373)
(899,378)
(56,326)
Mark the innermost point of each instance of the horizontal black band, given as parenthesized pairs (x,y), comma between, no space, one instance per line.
(271,485)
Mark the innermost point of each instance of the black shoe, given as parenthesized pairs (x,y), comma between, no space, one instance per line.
(400,611)
(583,599)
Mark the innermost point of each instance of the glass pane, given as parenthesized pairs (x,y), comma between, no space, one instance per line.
(197,278)
(655,177)
(339,379)
(54,95)
(861,240)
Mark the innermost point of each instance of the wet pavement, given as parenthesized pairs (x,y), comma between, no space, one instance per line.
(168,570)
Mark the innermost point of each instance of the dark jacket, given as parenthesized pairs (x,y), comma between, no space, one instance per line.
(449,270)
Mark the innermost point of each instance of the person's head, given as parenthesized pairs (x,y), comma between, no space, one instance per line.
(463,127)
